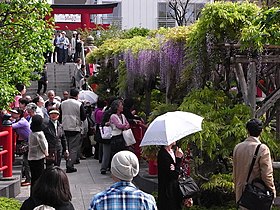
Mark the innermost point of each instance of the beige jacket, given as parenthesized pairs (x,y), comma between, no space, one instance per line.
(242,157)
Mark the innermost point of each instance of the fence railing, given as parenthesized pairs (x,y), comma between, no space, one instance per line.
(6,151)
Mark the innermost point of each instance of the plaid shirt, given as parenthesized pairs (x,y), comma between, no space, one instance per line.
(123,195)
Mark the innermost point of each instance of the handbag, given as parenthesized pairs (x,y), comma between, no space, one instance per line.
(128,137)
(106,132)
(256,195)
(187,186)
(21,147)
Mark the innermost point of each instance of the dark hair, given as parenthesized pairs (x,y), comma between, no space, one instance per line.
(128,103)
(52,188)
(109,101)
(36,123)
(23,101)
(115,105)
(20,87)
(74,92)
(36,99)
(20,111)
(100,103)
(254,127)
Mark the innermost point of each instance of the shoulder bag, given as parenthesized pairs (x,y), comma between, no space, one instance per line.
(128,135)
(256,195)
(106,132)
(187,186)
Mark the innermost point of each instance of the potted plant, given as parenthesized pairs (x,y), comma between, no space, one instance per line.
(150,154)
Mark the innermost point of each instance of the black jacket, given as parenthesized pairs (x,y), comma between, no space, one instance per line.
(169,197)
(31,203)
(56,140)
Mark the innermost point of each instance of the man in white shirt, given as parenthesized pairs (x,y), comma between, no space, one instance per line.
(63,44)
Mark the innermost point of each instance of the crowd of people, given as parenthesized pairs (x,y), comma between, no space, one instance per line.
(65,49)
(52,129)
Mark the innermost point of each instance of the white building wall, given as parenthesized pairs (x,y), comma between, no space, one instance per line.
(139,13)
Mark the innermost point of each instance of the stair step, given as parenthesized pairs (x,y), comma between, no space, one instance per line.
(59,79)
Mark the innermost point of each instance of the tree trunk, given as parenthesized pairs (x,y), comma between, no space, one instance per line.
(251,80)
(242,82)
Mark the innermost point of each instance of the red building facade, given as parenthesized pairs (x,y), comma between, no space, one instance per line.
(75,16)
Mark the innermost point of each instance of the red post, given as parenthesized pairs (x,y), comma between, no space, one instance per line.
(85,20)
(8,145)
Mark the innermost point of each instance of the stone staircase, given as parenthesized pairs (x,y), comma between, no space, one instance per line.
(59,79)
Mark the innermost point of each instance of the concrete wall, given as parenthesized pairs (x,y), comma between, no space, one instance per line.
(139,13)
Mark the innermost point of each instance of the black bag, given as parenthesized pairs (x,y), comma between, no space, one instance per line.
(256,195)
(187,186)
(21,147)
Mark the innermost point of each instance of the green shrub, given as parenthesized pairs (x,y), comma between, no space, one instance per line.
(9,204)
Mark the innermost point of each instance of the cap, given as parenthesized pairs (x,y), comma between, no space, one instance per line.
(14,111)
(63,32)
(74,32)
(125,165)
(54,112)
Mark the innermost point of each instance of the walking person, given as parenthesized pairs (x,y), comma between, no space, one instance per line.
(242,157)
(51,102)
(22,128)
(21,88)
(97,117)
(51,189)
(169,161)
(73,46)
(56,47)
(118,123)
(38,149)
(56,139)
(41,109)
(43,81)
(63,43)
(106,143)
(73,113)
(123,194)
(78,47)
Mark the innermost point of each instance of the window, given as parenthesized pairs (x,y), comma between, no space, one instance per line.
(164,16)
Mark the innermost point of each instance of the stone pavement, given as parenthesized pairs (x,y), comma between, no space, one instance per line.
(84,183)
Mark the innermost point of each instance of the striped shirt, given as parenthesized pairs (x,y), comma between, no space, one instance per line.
(123,195)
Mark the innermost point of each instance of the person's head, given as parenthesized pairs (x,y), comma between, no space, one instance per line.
(65,95)
(39,101)
(100,103)
(74,93)
(63,33)
(254,127)
(23,103)
(52,188)
(28,98)
(74,33)
(79,61)
(21,88)
(124,166)
(54,114)
(83,66)
(128,103)
(17,113)
(116,106)
(31,109)
(51,95)
(36,124)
